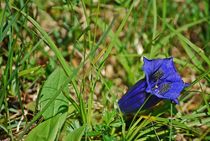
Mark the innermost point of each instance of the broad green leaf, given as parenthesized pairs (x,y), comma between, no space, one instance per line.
(51,86)
(47,130)
(75,135)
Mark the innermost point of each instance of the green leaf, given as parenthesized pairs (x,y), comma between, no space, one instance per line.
(75,135)
(47,130)
(51,86)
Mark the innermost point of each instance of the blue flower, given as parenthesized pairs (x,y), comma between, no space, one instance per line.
(162,81)
(135,98)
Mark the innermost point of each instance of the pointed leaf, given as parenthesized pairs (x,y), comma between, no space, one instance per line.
(51,86)
(47,130)
(75,135)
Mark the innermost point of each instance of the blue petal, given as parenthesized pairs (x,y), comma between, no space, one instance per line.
(152,101)
(162,78)
(135,98)
(150,66)
(155,69)
(132,104)
(162,82)
(172,92)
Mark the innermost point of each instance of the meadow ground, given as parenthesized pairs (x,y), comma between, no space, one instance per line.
(65,64)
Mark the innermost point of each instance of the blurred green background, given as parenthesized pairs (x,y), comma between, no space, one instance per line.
(100,44)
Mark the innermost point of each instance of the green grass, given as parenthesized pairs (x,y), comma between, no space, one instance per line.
(65,64)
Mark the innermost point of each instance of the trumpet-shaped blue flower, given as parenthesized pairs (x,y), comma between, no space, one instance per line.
(162,81)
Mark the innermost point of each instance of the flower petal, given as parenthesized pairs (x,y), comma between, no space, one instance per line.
(162,78)
(155,70)
(171,92)
(150,66)
(162,81)
(132,104)
(136,97)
